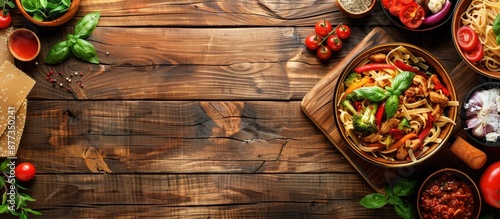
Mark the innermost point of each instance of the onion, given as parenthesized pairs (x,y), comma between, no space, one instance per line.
(433,19)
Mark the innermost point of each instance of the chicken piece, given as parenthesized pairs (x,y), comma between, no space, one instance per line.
(437,111)
(438,98)
(388,125)
(378,57)
(401,153)
(421,83)
(410,94)
(414,144)
(372,138)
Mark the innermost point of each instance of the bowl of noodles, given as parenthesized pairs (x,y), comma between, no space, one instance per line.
(478,15)
(395,105)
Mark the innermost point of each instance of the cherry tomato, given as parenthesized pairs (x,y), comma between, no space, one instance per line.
(412,15)
(334,43)
(476,54)
(25,171)
(312,42)
(395,7)
(324,52)
(387,4)
(489,184)
(322,28)
(5,20)
(406,2)
(467,38)
(343,31)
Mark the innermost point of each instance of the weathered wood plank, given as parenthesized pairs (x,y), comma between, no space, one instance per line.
(230,63)
(162,136)
(202,196)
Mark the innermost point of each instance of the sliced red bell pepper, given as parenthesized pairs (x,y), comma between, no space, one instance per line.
(439,86)
(403,66)
(379,115)
(424,132)
(373,66)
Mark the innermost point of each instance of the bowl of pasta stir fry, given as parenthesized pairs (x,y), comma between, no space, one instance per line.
(395,105)
(476,35)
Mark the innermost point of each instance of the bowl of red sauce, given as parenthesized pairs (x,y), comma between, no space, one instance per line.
(449,193)
(24,44)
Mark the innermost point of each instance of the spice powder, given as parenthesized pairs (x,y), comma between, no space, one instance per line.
(356,6)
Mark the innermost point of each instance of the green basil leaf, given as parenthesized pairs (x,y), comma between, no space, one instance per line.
(43,3)
(58,9)
(3,166)
(395,200)
(85,51)
(30,5)
(11,4)
(391,106)
(66,2)
(404,187)
(58,53)
(4,207)
(86,25)
(39,16)
(29,210)
(402,81)
(373,94)
(374,200)
(405,210)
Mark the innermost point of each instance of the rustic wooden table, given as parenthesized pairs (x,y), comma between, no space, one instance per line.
(195,112)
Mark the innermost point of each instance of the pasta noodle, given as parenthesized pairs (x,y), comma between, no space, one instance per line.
(414,105)
(480,16)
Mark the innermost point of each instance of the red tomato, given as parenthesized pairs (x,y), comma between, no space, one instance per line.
(25,171)
(412,15)
(343,31)
(467,38)
(5,20)
(476,54)
(334,43)
(405,2)
(395,7)
(387,4)
(324,53)
(322,28)
(489,184)
(312,42)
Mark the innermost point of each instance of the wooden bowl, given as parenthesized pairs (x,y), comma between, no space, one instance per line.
(435,67)
(463,116)
(73,8)
(450,174)
(355,11)
(24,44)
(395,20)
(455,25)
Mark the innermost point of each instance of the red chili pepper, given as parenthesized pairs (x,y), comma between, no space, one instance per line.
(373,66)
(396,133)
(439,86)
(403,66)
(424,132)
(380,113)
(358,106)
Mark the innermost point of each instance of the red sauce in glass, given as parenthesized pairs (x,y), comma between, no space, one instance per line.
(447,196)
(25,45)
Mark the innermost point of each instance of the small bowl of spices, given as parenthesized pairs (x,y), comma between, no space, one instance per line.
(355,8)
(24,44)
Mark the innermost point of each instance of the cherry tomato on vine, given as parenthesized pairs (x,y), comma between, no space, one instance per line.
(489,184)
(324,52)
(5,19)
(476,54)
(343,31)
(25,171)
(334,43)
(312,41)
(322,28)
(467,38)
(412,15)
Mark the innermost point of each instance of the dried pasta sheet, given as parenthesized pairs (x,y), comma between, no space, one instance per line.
(11,137)
(4,49)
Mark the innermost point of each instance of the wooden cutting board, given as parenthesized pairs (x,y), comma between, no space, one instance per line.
(318,106)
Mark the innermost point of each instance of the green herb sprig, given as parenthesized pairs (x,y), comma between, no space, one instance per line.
(394,196)
(391,94)
(75,42)
(46,10)
(13,201)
